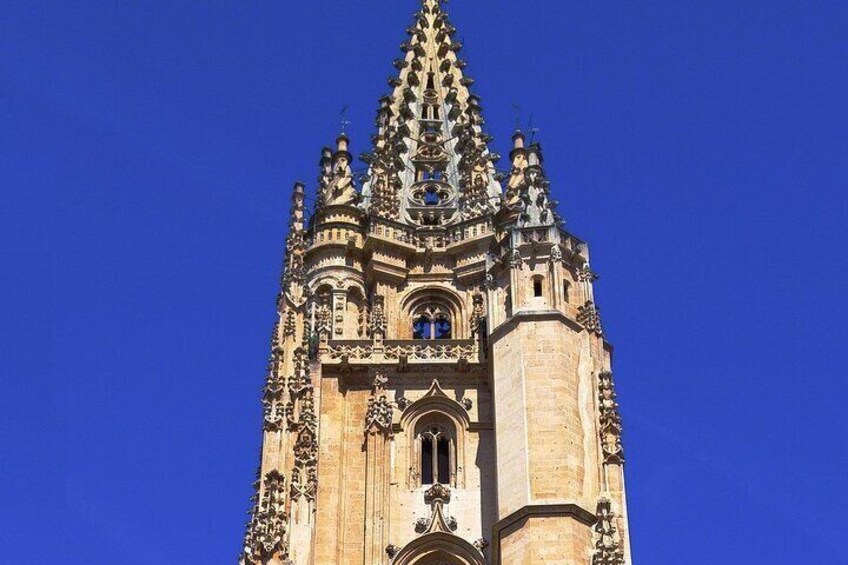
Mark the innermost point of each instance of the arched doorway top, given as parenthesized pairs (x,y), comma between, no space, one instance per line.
(439,548)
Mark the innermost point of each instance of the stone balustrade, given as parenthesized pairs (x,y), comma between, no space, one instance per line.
(413,351)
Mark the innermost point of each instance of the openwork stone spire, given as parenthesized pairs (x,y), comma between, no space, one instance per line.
(430,165)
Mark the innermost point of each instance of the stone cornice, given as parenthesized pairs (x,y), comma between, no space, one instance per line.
(538,510)
(532,316)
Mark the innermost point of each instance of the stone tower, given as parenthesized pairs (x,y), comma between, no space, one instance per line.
(439,388)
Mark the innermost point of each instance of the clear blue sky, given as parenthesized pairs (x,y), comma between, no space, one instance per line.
(147,150)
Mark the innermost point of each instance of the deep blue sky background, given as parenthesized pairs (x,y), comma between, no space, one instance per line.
(147,150)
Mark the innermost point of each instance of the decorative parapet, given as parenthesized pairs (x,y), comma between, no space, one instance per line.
(346,352)
(610,420)
(437,238)
(402,351)
(418,350)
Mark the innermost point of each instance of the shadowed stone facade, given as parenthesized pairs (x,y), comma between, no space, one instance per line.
(439,388)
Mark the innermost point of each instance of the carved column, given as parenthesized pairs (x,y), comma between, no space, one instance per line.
(378,433)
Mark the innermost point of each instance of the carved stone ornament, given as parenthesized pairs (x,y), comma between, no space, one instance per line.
(378,316)
(610,420)
(556,254)
(273,392)
(403,403)
(324,317)
(585,274)
(478,315)
(378,419)
(274,415)
(336,180)
(392,550)
(481,544)
(421,525)
(303,422)
(385,162)
(449,352)
(515,260)
(589,317)
(266,530)
(437,522)
(290,325)
(437,492)
(607,544)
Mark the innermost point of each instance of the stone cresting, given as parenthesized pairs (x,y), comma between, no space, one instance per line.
(610,420)
(522,412)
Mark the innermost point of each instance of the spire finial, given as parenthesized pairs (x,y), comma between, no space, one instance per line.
(344,121)
(517,109)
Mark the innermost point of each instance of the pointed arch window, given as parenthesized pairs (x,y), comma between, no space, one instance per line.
(437,456)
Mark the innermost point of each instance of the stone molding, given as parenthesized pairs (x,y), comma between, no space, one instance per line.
(531,316)
(570,510)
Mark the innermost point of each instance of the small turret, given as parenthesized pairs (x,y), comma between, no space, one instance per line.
(527,195)
(336,186)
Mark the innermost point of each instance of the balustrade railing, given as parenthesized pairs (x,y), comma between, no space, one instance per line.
(401,351)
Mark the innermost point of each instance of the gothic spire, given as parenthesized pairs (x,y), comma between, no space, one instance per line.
(430,165)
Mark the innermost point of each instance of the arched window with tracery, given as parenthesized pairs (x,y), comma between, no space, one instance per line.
(432,322)
(436,454)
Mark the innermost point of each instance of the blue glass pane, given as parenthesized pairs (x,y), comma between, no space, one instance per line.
(431,198)
(421,329)
(443,329)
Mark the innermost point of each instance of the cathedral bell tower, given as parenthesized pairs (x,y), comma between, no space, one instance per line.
(439,388)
